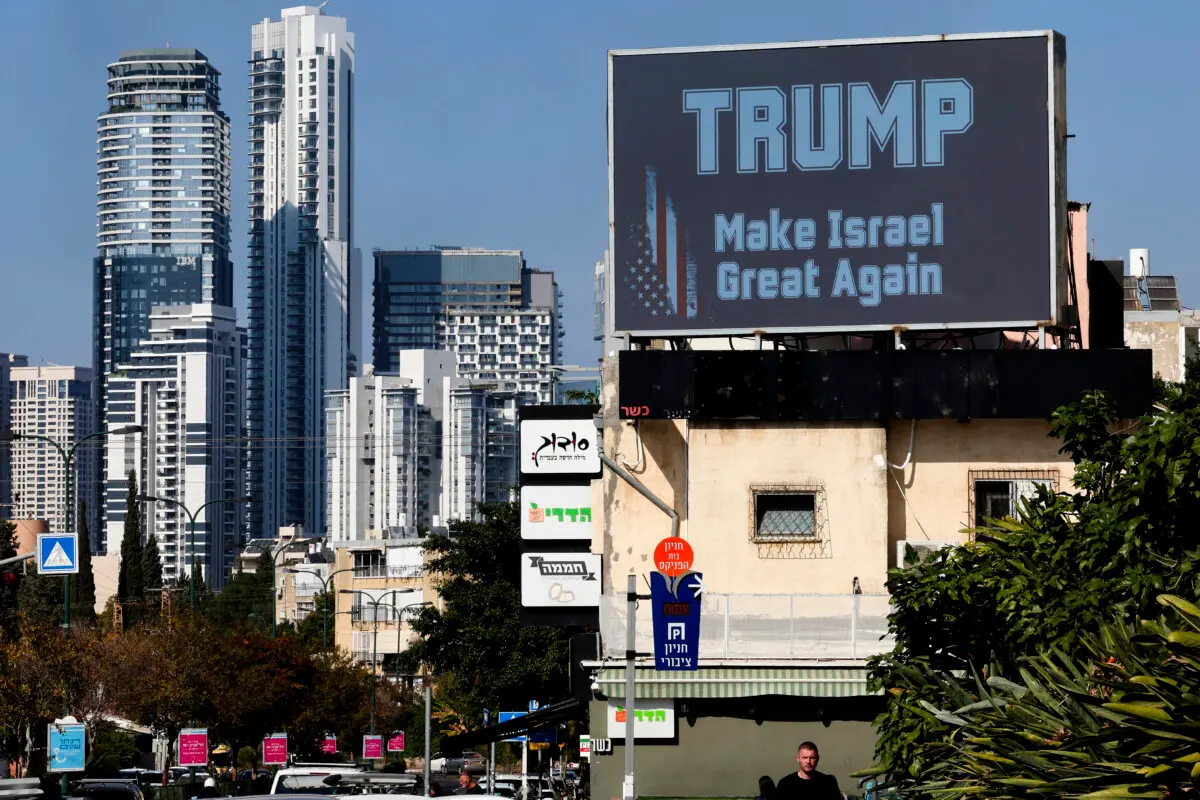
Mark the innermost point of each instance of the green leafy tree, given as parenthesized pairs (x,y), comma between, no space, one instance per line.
(482,655)
(40,598)
(248,593)
(131,586)
(311,630)
(83,585)
(1047,580)
(1116,721)
(151,562)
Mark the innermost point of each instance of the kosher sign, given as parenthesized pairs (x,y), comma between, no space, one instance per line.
(839,185)
(675,610)
(559,446)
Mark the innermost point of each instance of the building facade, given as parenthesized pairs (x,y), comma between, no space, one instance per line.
(304,304)
(7,362)
(163,192)
(383,465)
(502,319)
(56,403)
(185,386)
(514,349)
(479,447)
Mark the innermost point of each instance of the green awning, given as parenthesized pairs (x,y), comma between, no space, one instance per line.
(723,682)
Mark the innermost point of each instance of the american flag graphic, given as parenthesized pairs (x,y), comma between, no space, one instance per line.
(659,270)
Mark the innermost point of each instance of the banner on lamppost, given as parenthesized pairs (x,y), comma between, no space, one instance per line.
(372,747)
(275,750)
(193,747)
(396,742)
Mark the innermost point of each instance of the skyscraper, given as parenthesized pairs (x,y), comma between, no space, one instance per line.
(7,362)
(502,319)
(162,206)
(304,316)
(162,198)
(54,402)
(185,386)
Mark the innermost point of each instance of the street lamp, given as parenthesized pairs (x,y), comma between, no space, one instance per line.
(67,454)
(275,568)
(375,633)
(146,498)
(325,587)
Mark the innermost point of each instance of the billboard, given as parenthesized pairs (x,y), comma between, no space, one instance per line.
(838,186)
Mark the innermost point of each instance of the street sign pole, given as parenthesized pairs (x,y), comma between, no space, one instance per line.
(627,792)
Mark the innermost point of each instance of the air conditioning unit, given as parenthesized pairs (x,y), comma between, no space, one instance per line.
(923,548)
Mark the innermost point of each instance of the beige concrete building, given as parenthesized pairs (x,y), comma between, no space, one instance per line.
(378,584)
(795,518)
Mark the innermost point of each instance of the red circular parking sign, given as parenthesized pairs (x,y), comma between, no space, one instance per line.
(673,557)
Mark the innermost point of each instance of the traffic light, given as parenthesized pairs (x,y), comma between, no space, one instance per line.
(9,578)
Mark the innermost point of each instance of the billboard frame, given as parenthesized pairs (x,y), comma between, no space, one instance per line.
(1055,112)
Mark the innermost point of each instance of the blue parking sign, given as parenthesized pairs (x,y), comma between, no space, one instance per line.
(67,747)
(57,553)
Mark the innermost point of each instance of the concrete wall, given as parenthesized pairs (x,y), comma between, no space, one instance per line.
(1166,335)
(706,471)
(734,753)
(946,457)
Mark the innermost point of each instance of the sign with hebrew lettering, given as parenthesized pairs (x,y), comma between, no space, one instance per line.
(675,612)
(556,512)
(839,186)
(652,719)
(560,580)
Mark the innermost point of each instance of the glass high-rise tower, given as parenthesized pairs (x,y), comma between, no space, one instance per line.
(162,198)
(304,305)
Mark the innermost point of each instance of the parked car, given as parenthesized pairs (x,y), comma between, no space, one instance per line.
(310,778)
(445,765)
(107,789)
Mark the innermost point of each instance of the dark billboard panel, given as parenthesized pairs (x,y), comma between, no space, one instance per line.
(850,185)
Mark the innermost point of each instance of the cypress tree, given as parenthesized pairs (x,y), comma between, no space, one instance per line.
(83,600)
(131,587)
(152,577)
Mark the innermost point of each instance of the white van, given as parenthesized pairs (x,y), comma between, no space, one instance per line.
(310,778)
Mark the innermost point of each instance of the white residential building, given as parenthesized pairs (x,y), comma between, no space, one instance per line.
(383,465)
(7,362)
(304,299)
(514,349)
(479,447)
(415,450)
(185,385)
(56,403)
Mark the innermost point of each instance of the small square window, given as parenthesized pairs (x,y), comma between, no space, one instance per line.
(780,516)
(312,102)
(312,63)
(312,77)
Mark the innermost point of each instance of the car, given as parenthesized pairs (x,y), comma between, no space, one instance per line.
(107,789)
(471,762)
(310,778)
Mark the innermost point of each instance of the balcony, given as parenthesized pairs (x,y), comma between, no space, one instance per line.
(749,627)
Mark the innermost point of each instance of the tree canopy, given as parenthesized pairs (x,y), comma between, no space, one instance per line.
(480,653)
(1049,584)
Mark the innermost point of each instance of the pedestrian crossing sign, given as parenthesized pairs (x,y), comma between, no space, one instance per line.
(58,553)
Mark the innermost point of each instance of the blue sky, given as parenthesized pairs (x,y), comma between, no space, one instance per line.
(483,123)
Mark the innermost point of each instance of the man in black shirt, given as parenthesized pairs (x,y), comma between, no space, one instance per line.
(807,783)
